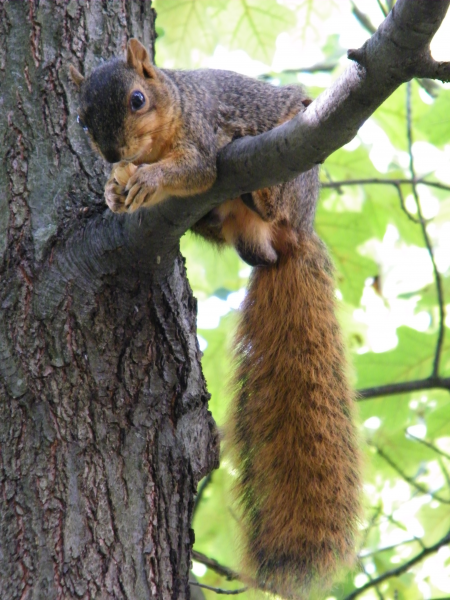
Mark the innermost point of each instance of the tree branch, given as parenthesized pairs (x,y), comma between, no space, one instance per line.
(392,182)
(363,19)
(428,445)
(201,490)
(397,52)
(380,181)
(400,569)
(404,387)
(388,548)
(148,239)
(419,487)
(226,572)
(219,590)
(426,237)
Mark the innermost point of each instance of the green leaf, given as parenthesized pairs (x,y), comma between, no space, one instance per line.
(343,233)
(434,123)
(212,270)
(249,25)
(217,365)
(438,420)
(345,164)
(428,294)
(310,15)
(186,25)
(391,116)
(253,26)
(411,359)
(435,518)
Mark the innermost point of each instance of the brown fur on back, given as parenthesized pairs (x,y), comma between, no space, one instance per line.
(292,428)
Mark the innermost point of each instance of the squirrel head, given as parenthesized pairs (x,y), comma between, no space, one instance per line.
(125,107)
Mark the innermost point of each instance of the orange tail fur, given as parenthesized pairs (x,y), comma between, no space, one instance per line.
(292,428)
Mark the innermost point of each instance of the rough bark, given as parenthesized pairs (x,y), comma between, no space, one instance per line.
(104,428)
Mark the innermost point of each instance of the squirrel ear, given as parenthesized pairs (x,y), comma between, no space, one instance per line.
(139,59)
(76,76)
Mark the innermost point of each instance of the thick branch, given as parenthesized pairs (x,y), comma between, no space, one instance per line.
(397,52)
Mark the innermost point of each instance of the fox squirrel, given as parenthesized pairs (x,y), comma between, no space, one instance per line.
(295,444)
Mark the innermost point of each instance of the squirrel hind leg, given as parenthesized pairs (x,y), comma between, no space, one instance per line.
(255,256)
(210,227)
(248,233)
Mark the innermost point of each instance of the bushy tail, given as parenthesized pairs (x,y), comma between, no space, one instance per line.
(293,435)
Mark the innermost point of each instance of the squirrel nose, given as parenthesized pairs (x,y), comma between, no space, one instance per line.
(112,155)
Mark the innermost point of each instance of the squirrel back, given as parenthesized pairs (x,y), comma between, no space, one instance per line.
(291,427)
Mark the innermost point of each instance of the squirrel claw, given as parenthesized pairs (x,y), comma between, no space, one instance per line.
(141,188)
(136,197)
(114,197)
(115,189)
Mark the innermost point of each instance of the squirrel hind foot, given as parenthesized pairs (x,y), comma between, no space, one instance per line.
(261,256)
(250,203)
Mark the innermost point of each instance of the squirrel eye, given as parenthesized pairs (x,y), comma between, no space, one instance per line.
(137,101)
(82,123)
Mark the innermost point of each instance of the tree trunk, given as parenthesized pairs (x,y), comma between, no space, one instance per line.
(104,429)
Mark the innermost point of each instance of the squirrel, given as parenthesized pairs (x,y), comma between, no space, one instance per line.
(292,429)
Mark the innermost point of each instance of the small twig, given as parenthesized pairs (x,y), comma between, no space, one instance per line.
(419,487)
(435,449)
(391,519)
(400,569)
(431,87)
(370,525)
(445,472)
(363,19)
(403,387)
(219,590)
(382,8)
(397,183)
(370,578)
(320,67)
(398,187)
(387,548)
(196,592)
(427,444)
(439,290)
(211,563)
(379,181)
(201,490)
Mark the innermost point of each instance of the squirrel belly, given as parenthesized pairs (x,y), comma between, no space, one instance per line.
(292,432)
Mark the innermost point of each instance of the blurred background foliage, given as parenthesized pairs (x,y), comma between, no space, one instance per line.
(384,214)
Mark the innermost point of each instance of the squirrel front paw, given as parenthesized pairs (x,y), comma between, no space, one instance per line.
(143,188)
(115,194)
(130,187)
